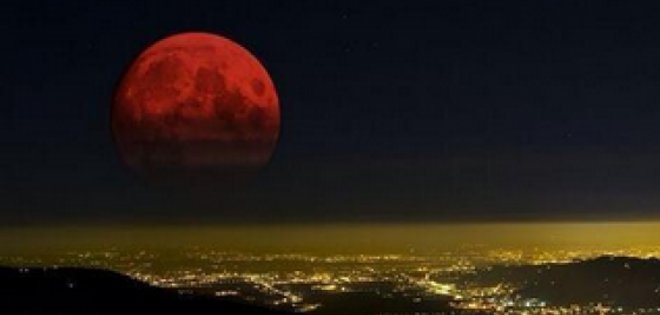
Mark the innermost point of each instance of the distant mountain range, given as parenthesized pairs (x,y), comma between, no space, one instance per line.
(76,291)
(616,281)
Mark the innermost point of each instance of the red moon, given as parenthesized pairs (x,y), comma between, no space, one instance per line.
(195,104)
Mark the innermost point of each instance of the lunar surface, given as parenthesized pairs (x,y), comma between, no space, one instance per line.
(195,105)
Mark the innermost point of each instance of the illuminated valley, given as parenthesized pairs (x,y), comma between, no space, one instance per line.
(421,273)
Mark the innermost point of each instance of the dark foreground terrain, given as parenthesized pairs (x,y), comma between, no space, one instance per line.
(37,291)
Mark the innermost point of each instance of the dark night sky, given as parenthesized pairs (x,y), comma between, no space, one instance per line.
(406,110)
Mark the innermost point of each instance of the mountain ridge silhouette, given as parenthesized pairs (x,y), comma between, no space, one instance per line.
(78,291)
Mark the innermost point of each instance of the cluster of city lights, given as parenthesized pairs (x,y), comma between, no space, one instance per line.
(276,279)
